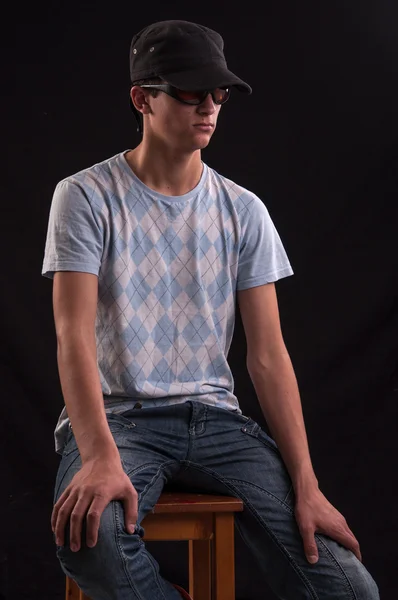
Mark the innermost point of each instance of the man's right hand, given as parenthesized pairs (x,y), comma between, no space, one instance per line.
(97,483)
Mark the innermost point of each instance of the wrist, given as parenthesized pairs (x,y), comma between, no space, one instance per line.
(305,483)
(100,450)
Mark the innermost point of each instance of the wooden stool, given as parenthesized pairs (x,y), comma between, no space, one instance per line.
(208,523)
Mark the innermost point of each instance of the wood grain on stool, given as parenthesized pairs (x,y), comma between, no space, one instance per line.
(73,592)
(208,523)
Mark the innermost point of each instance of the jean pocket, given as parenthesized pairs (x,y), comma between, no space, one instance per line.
(69,465)
(118,423)
(70,444)
(252,428)
(290,497)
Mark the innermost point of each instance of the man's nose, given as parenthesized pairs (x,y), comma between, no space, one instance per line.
(207,106)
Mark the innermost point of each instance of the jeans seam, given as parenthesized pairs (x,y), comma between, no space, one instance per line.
(334,559)
(289,493)
(154,478)
(118,528)
(123,556)
(148,557)
(137,470)
(64,475)
(253,429)
(257,487)
(142,495)
(228,483)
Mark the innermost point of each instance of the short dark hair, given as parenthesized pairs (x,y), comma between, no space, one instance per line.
(154,93)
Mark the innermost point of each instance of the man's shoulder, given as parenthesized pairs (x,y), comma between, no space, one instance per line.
(100,175)
(234,190)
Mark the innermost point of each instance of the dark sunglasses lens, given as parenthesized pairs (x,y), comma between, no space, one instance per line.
(190,97)
(221,95)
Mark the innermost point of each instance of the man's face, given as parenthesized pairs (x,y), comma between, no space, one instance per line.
(182,127)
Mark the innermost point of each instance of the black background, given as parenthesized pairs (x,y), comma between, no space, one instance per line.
(317,141)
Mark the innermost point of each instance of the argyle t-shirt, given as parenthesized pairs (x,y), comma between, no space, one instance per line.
(168,270)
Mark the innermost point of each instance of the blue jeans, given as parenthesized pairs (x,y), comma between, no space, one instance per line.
(216,451)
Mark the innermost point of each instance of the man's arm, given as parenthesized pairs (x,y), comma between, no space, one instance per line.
(101,477)
(75,304)
(272,374)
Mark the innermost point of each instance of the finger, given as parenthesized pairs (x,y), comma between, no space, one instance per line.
(57,506)
(62,518)
(346,538)
(310,547)
(93,518)
(357,551)
(76,521)
(130,503)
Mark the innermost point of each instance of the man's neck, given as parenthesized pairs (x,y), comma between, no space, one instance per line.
(165,171)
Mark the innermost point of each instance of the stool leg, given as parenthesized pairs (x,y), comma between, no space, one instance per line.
(200,569)
(72,590)
(224,556)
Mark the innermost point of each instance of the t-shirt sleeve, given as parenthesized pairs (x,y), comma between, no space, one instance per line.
(74,238)
(262,257)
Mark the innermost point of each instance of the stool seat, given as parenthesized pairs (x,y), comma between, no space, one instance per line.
(207,522)
(174,502)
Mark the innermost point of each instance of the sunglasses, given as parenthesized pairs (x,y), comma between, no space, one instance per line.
(219,95)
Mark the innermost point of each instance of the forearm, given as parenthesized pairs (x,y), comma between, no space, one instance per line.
(277,391)
(81,387)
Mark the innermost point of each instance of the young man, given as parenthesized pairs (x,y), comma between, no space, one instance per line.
(149,251)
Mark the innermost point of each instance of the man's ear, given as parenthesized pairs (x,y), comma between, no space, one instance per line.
(139,99)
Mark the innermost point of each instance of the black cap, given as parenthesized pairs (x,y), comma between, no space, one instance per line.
(186,55)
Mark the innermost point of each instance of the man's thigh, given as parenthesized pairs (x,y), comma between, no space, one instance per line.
(143,457)
(235,456)
(119,563)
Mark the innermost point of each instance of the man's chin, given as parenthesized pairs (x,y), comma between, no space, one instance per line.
(201,144)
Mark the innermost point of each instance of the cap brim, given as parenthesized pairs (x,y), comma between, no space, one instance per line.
(207,77)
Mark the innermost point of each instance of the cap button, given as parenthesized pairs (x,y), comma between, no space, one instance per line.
(151,49)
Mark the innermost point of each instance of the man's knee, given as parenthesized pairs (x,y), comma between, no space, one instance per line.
(364,585)
(103,562)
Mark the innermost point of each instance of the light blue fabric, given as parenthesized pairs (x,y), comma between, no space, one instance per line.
(168,270)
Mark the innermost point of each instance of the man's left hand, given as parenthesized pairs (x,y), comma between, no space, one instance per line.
(314,513)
